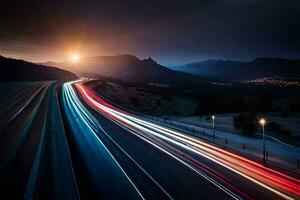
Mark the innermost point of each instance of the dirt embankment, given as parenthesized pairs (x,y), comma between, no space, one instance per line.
(148,99)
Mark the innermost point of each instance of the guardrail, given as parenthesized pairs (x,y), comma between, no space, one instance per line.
(250,149)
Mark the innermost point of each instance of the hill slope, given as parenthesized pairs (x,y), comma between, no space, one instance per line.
(265,67)
(20,70)
(130,68)
(211,68)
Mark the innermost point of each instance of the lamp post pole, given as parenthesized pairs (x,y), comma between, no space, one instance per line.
(213,124)
(263,122)
(264,145)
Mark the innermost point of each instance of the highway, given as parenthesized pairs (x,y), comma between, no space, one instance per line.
(34,154)
(63,141)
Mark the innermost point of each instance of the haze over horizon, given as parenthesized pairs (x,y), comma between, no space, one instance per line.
(171,32)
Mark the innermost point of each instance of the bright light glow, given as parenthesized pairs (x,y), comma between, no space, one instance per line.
(262,121)
(75,58)
(213,117)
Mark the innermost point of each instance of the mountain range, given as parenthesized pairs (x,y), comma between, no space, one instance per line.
(265,67)
(211,67)
(128,67)
(131,68)
(20,70)
(237,70)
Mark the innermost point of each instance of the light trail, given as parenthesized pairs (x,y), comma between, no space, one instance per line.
(136,163)
(24,105)
(84,129)
(279,183)
(220,186)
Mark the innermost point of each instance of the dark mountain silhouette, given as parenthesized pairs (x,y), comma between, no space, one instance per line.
(237,70)
(265,67)
(20,70)
(211,68)
(130,68)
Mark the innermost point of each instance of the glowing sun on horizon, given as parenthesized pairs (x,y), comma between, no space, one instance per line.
(75,58)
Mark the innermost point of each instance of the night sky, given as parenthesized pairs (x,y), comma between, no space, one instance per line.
(171,32)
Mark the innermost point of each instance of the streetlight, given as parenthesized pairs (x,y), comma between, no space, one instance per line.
(214,132)
(263,122)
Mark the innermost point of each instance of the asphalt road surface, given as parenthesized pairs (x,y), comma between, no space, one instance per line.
(63,141)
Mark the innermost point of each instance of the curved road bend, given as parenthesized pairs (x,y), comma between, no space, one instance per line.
(62,141)
(229,173)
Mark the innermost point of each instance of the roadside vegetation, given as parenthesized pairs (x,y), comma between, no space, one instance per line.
(237,106)
(247,122)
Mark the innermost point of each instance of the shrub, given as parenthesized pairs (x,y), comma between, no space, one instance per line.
(274,127)
(158,102)
(134,101)
(286,131)
(176,113)
(246,122)
(284,114)
(295,107)
(207,118)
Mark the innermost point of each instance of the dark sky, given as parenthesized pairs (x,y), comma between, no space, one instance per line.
(171,32)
